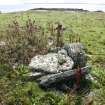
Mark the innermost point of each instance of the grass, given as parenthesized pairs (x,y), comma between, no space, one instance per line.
(90,27)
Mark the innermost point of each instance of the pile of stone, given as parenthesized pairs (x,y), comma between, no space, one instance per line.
(59,64)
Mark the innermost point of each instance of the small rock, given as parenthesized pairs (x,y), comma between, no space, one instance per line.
(63,52)
(89,77)
(65,62)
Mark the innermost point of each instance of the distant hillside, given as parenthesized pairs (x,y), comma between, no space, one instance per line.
(61,9)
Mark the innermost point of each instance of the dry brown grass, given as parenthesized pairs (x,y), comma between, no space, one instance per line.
(22,42)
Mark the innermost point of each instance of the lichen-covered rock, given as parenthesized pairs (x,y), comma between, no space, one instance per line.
(62,52)
(76,52)
(62,56)
(65,62)
(73,48)
(51,63)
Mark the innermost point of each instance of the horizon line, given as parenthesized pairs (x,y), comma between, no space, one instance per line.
(69,3)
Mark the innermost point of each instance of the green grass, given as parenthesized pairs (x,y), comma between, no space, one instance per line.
(89,26)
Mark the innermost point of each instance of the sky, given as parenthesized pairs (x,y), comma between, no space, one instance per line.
(20,5)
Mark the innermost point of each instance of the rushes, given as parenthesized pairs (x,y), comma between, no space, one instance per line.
(22,42)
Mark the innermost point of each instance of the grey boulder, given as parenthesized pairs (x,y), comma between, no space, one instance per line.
(76,52)
(52,62)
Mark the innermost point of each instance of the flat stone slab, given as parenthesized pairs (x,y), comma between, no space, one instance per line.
(47,80)
(51,62)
